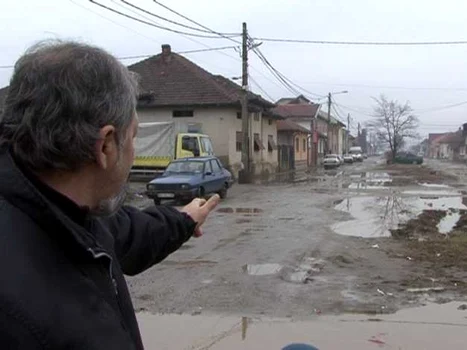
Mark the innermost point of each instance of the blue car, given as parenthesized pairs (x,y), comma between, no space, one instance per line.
(189,178)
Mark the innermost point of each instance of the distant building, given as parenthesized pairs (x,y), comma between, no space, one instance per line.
(293,141)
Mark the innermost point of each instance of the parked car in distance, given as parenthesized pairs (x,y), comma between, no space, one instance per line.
(357,153)
(189,178)
(331,161)
(348,158)
(407,158)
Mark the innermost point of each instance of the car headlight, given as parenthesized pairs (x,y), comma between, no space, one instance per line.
(185,187)
(151,187)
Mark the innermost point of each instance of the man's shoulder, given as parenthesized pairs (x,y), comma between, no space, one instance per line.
(13,220)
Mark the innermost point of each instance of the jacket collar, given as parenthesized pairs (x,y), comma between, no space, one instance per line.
(17,189)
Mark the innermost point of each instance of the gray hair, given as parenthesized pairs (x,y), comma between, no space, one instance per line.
(60,95)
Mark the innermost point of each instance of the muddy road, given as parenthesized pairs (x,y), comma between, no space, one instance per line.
(366,238)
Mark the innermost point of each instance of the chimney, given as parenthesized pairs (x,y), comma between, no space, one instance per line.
(166,51)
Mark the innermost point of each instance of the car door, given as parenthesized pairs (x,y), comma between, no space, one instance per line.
(209,178)
(218,175)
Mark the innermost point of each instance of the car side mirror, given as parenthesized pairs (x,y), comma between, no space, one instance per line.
(208,173)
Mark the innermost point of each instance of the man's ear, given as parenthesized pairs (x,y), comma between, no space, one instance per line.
(106,147)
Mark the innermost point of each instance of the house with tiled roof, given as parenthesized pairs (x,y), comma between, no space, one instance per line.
(450,145)
(175,89)
(293,145)
(308,116)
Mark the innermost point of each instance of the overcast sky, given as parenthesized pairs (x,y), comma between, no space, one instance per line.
(430,77)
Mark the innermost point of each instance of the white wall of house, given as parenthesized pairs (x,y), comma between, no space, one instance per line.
(305,123)
(341,140)
(222,125)
(218,123)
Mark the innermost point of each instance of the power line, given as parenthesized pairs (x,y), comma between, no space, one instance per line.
(260,88)
(197,23)
(435,109)
(274,72)
(152,24)
(363,43)
(336,114)
(387,87)
(190,38)
(354,110)
(288,81)
(171,21)
(110,20)
(214,32)
(150,55)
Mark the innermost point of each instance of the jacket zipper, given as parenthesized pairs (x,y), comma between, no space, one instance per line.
(100,255)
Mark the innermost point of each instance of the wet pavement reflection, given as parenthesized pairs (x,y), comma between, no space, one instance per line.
(376,216)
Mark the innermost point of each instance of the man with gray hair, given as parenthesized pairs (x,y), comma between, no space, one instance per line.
(66,148)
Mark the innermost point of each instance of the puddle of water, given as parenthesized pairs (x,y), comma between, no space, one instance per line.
(262,269)
(240,210)
(448,222)
(298,277)
(429,327)
(226,210)
(439,193)
(433,185)
(376,216)
(366,186)
(370,181)
(248,211)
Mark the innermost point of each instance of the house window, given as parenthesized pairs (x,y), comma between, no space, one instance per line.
(182,113)
(297,144)
(270,121)
(258,144)
(271,144)
(239,115)
(256,116)
(239,141)
(304,145)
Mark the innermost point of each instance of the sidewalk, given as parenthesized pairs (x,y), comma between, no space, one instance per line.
(431,327)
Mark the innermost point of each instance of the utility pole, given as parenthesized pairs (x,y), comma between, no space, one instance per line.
(244,176)
(348,133)
(329,123)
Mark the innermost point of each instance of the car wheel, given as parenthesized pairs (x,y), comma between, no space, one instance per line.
(157,201)
(223,192)
(201,192)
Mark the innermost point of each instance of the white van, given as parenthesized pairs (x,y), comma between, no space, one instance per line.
(357,153)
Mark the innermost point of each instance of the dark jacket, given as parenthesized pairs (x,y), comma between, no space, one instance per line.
(61,271)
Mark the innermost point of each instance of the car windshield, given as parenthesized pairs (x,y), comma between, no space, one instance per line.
(331,156)
(185,167)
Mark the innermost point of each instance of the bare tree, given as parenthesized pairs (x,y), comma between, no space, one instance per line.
(393,123)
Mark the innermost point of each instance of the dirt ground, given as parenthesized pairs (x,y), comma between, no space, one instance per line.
(361,239)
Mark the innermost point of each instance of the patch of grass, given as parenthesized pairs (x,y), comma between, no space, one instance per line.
(412,174)
(442,252)
(423,225)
